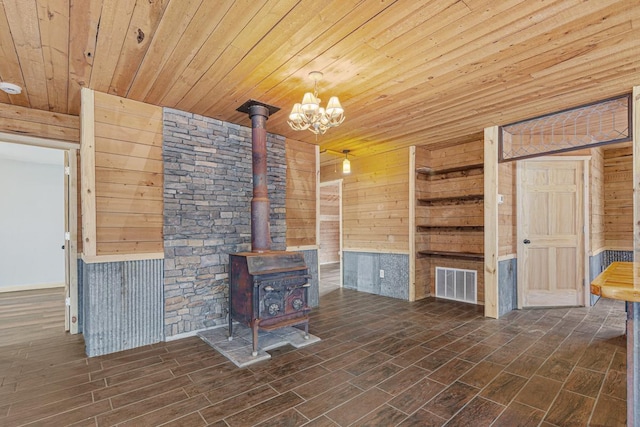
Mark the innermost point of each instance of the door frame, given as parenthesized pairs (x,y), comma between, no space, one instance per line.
(338,183)
(71,219)
(585,222)
(71,240)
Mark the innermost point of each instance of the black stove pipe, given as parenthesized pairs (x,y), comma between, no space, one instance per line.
(260,230)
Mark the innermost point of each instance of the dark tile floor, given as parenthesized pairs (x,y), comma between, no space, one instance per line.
(381,362)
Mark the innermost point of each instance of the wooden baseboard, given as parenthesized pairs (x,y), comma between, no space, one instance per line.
(17,288)
(302,248)
(88,259)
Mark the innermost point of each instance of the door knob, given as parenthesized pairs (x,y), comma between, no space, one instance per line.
(526,241)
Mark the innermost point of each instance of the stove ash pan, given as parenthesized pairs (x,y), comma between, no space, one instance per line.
(268,290)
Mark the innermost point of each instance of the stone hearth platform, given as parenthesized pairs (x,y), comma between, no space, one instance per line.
(239,349)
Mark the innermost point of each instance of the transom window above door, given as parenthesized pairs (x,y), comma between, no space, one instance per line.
(600,123)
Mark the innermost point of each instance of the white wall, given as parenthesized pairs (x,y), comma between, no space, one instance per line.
(31,221)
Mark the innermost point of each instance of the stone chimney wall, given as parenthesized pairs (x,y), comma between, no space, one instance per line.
(207,203)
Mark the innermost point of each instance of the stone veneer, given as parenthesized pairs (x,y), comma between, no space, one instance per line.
(207,203)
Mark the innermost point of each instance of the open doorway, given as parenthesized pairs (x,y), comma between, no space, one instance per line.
(330,253)
(35,258)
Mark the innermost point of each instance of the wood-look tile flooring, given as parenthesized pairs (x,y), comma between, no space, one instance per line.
(382,362)
(329,277)
(30,315)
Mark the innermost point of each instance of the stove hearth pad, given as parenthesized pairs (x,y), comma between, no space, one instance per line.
(238,351)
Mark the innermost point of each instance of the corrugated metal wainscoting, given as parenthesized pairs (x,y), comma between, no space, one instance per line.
(311,259)
(362,271)
(123,305)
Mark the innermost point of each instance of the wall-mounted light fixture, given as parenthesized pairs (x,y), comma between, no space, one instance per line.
(346,164)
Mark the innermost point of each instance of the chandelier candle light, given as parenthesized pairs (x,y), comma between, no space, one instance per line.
(309,115)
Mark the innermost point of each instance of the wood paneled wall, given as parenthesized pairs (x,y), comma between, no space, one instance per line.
(38,123)
(458,155)
(618,197)
(596,201)
(375,202)
(128,176)
(507,232)
(329,223)
(302,182)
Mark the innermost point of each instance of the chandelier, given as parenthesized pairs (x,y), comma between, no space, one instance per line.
(310,115)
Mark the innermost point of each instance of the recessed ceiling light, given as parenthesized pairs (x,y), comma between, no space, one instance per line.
(10,88)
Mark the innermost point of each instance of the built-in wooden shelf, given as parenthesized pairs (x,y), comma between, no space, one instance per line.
(452,255)
(450,200)
(450,228)
(447,205)
(432,171)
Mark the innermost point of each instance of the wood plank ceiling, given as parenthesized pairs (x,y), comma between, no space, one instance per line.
(408,72)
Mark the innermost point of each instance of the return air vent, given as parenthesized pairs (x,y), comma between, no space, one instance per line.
(457,284)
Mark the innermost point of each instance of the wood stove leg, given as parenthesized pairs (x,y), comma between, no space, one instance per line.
(230,337)
(306,330)
(254,328)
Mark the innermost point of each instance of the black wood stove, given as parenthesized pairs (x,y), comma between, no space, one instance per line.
(267,289)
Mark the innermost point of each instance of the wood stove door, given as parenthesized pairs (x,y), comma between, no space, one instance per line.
(271,301)
(295,301)
(282,297)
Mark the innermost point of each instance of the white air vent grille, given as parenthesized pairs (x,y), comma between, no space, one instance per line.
(457,284)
